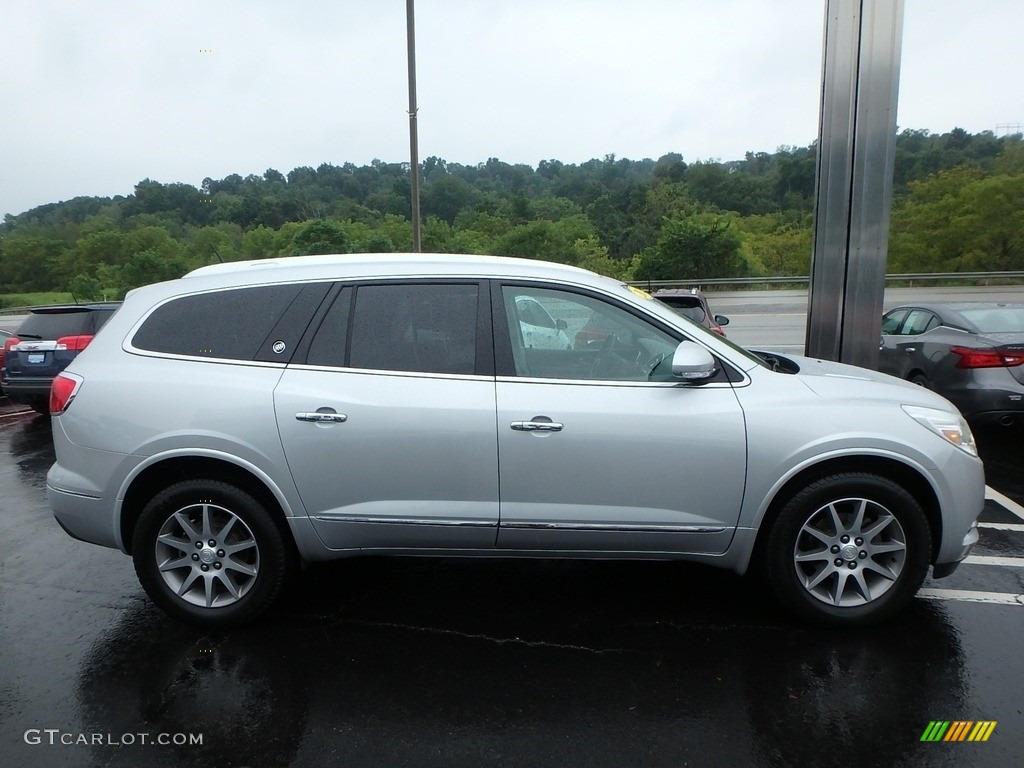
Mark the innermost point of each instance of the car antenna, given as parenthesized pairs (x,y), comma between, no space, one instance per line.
(216,253)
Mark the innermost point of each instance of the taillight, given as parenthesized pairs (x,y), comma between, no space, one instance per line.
(62,391)
(986,358)
(73,343)
(10,343)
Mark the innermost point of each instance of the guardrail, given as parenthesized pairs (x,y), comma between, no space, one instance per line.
(908,277)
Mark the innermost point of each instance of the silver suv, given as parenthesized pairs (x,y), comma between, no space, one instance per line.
(224,426)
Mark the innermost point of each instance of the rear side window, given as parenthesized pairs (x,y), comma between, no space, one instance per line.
(230,324)
(425,328)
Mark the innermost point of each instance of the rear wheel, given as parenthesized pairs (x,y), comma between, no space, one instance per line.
(209,553)
(849,549)
(920,379)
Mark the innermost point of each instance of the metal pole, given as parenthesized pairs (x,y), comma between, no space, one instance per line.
(856,152)
(414,154)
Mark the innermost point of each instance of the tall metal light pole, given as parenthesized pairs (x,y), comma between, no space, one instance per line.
(414,153)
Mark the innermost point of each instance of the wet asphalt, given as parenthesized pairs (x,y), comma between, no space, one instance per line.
(416,662)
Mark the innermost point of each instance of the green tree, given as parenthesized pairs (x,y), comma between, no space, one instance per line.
(148,267)
(698,247)
(85,288)
(320,236)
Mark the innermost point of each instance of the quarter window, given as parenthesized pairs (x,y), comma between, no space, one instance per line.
(231,324)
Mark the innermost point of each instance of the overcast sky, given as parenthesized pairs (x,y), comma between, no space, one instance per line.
(100,94)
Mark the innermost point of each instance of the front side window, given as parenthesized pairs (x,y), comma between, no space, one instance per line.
(428,328)
(563,335)
(891,322)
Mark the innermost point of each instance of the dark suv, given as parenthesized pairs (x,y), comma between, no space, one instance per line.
(690,303)
(45,342)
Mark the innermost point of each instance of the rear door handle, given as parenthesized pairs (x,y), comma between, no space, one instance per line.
(537,424)
(318,417)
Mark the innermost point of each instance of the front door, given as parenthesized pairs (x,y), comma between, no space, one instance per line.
(600,448)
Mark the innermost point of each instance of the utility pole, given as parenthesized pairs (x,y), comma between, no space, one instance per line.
(414,152)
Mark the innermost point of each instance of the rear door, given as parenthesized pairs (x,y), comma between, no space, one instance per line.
(387,418)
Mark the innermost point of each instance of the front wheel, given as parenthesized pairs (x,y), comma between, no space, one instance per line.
(209,553)
(849,549)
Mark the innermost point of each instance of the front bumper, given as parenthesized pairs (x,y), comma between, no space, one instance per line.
(942,570)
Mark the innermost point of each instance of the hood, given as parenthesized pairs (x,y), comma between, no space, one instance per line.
(850,382)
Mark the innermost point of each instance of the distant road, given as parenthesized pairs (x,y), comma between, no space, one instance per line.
(778,319)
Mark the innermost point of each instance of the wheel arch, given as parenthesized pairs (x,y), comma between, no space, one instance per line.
(906,476)
(166,472)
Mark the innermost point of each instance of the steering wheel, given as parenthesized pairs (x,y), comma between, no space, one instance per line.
(653,363)
(603,354)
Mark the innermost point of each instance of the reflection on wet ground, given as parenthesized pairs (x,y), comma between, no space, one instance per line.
(447,662)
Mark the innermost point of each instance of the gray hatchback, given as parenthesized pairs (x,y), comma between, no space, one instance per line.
(225,426)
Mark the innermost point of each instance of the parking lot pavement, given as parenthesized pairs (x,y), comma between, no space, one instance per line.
(451,663)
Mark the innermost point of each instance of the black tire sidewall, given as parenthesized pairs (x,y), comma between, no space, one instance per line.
(782,537)
(272,552)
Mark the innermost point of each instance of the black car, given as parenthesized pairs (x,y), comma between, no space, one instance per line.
(43,345)
(971,353)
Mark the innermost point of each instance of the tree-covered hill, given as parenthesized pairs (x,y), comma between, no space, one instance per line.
(959,206)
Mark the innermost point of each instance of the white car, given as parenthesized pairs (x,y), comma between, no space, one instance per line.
(223,426)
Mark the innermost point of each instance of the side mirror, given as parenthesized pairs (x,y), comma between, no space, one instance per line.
(691,362)
(561,325)
(721,319)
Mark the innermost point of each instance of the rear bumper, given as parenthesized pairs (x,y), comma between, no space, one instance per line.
(86,518)
(20,389)
(983,404)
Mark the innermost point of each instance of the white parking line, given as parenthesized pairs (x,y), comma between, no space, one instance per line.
(966,596)
(1010,504)
(1017,527)
(1006,562)
(15,413)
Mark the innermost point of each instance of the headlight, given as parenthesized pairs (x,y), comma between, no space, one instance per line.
(946,424)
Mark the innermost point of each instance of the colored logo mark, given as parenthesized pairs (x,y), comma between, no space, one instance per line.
(959,730)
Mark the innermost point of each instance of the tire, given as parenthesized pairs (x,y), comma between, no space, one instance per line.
(848,550)
(209,553)
(920,379)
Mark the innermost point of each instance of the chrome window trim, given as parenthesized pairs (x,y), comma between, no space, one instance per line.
(678,384)
(388,372)
(129,348)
